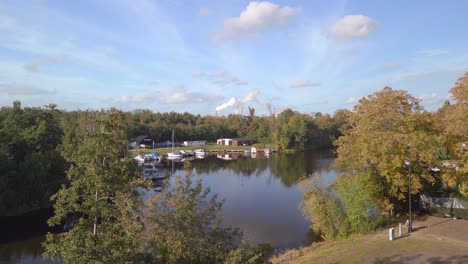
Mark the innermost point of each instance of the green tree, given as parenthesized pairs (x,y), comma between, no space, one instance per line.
(360,196)
(101,193)
(324,210)
(31,168)
(183,225)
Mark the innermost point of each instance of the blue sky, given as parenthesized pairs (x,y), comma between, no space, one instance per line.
(224,56)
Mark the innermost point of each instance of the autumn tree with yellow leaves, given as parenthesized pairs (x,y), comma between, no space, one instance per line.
(453,125)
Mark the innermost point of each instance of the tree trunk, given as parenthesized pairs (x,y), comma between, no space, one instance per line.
(95,217)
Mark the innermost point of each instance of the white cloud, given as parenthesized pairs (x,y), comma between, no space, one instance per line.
(433,99)
(204,12)
(352,100)
(137,99)
(256,17)
(179,97)
(303,84)
(182,95)
(353,26)
(175,95)
(35,66)
(434,52)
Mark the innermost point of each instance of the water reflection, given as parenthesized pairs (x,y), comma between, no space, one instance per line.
(25,251)
(261,194)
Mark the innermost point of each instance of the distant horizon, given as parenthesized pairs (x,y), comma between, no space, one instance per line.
(207,57)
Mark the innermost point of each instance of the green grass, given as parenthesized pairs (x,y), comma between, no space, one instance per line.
(376,248)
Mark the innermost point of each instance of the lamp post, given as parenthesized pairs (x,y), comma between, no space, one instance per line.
(410,222)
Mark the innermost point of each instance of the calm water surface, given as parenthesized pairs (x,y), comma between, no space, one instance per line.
(262,198)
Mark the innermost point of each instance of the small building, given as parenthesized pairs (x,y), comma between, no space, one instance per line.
(141,142)
(195,143)
(235,141)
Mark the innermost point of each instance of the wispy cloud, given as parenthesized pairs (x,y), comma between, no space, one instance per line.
(198,74)
(137,99)
(22,89)
(220,78)
(256,17)
(228,79)
(36,66)
(182,95)
(353,26)
(172,96)
(434,52)
(433,99)
(352,100)
(303,84)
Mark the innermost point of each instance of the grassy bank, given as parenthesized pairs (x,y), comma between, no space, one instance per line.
(435,240)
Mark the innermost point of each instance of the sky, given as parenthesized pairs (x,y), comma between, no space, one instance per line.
(221,57)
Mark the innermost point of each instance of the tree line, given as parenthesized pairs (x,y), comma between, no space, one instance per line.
(287,130)
(392,147)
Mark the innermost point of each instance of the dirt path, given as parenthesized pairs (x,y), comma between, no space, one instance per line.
(443,228)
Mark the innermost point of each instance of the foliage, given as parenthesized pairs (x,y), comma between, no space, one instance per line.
(350,205)
(362,204)
(101,195)
(183,225)
(452,120)
(288,130)
(30,169)
(389,144)
(326,212)
(388,129)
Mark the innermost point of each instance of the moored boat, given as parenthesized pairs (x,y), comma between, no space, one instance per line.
(200,152)
(174,155)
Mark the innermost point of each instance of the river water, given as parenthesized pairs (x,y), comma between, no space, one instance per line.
(262,197)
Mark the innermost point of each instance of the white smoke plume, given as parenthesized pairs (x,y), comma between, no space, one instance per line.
(239,103)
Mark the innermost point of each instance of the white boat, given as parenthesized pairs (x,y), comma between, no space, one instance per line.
(175,155)
(200,152)
(139,158)
(187,153)
(253,150)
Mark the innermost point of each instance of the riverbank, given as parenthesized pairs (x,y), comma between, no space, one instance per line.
(435,240)
(209,148)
